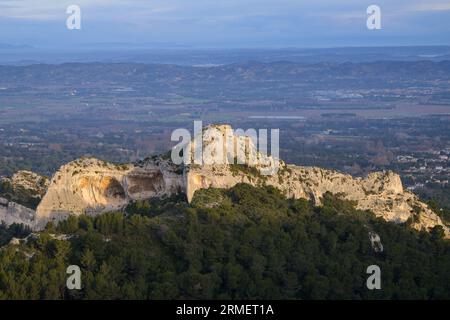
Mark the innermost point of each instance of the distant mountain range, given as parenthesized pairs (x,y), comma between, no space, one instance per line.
(172,54)
(250,73)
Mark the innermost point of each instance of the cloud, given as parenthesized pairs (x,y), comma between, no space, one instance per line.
(437,6)
(53,9)
(219,9)
(206,21)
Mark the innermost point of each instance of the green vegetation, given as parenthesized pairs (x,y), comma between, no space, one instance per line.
(444,213)
(247,170)
(251,243)
(19,195)
(244,168)
(439,196)
(158,206)
(14,230)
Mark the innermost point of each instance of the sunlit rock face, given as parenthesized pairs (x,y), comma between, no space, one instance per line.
(380,192)
(92,186)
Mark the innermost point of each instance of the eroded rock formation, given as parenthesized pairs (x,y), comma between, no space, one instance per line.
(93,186)
(11,212)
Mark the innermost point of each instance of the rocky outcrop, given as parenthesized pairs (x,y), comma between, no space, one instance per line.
(382,192)
(375,242)
(34,184)
(11,212)
(30,181)
(92,186)
(379,192)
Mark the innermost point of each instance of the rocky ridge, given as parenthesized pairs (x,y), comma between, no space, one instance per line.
(93,186)
(30,181)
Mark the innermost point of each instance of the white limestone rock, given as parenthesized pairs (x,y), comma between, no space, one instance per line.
(11,212)
(93,186)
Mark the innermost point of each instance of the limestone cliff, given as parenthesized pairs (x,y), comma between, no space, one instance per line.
(380,192)
(11,212)
(93,186)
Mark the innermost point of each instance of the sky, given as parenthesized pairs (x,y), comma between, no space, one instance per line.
(224,23)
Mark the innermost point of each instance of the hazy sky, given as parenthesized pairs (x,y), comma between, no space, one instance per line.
(225,23)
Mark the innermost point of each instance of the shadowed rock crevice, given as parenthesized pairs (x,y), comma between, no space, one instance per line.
(113,188)
(151,182)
